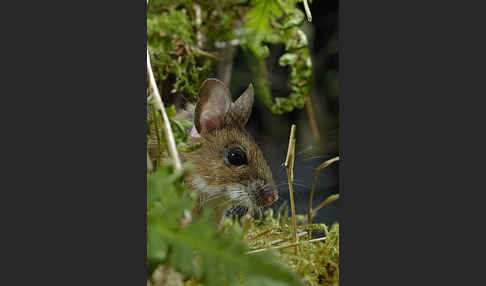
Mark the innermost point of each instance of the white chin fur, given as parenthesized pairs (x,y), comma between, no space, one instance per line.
(231,194)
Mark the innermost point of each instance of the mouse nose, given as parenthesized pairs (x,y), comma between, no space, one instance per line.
(269,198)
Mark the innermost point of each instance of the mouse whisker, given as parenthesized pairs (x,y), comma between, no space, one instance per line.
(213,197)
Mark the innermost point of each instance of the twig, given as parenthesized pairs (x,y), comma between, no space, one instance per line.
(289,167)
(287,245)
(312,119)
(204,53)
(160,106)
(316,172)
(307,11)
(283,240)
(329,200)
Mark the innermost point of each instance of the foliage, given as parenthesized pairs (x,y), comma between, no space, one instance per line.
(184,49)
(197,249)
(317,263)
(169,37)
(277,22)
(179,127)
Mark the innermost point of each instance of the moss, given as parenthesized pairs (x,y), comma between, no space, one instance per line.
(317,263)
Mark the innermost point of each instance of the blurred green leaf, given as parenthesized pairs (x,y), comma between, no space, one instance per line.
(287,59)
(221,255)
(258,24)
(277,22)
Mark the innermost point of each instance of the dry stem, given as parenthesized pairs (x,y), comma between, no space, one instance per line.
(160,106)
(329,200)
(289,167)
(206,54)
(316,172)
(307,11)
(283,240)
(287,245)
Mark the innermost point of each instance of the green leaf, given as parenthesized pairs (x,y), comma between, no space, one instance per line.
(297,40)
(294,19)
(287,59)
(171,111)
(285,18)
(258,25)
(198,249)
(157,248)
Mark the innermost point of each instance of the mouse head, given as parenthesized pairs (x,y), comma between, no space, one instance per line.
(229,167)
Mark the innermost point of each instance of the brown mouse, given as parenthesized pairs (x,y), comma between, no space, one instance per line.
(229,169)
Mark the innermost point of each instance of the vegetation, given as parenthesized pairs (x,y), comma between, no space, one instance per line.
(184,43)
(183,37)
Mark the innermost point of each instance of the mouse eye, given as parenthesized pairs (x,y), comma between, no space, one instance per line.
(236,157)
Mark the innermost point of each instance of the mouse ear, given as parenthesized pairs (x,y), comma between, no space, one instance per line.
(242,107)
(212,107)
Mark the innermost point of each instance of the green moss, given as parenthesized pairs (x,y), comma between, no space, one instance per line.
(317,263)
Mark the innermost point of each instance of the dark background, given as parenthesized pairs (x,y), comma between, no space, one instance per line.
(272,131)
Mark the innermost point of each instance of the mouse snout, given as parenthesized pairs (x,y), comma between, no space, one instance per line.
(269,198)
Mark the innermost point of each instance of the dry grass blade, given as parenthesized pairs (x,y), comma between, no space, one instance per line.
(283,240)
(286,245)
(316,172)
(329,200)
(159,105)
(307,11)
(206,54)
(289,167)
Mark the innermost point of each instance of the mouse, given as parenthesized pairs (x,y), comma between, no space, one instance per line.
(229,168)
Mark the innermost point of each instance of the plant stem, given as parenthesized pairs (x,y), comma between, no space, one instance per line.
(160,106)
(316,172)
(329,200)
(287,245)
(289,166)
(307,11)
